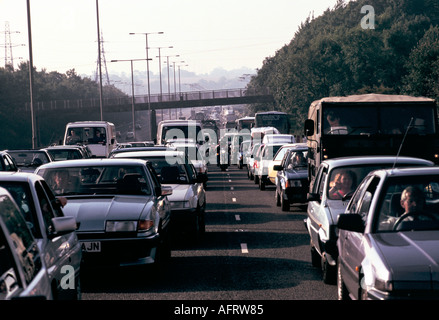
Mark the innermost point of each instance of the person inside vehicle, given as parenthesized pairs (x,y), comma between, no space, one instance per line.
(99,137)
(73,138)
(60,181)
(343,183)
(299,160)
(335,126)
(412,200)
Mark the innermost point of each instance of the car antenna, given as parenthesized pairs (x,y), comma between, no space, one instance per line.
(402,142)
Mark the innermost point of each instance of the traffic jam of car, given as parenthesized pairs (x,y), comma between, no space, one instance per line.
(372,212)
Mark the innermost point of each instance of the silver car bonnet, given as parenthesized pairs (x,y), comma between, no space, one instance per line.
(410,255)
(92,213)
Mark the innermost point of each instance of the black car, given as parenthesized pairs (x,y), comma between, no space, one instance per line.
(292,178)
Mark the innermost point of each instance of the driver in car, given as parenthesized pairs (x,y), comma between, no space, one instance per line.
(413,202)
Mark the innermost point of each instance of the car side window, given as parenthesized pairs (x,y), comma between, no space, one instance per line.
(319,181)
(362,200)
(46,208)
(24,243)
(56,209)
(154,177)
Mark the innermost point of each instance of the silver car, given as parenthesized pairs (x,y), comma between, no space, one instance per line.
(53,231)
(389,237)
(335,183)
(22,273)
(188,199)
(122,209)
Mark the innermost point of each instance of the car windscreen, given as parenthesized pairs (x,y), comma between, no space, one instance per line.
(29,158)
(127,180)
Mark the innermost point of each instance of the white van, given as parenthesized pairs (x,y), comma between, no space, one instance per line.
(99,136)
(179,129)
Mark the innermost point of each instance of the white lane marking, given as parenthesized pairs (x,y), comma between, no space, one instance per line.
(237,217)
(244,248)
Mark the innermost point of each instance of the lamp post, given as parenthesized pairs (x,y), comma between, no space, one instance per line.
(151,117)
(99,61)
(31,76)
(160,66)
(132,91)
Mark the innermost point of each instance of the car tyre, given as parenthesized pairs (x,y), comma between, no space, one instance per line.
(261,184)
(285,204)
(315,258)
(277,198)
(342,291)
(329,273)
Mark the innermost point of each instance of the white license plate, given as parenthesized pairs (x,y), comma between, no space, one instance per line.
(91,246)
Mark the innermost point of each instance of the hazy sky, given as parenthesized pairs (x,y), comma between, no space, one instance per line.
(207,34)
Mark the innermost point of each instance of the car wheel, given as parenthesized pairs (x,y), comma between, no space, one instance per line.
(315,258)
(277,198)
(342,291)
(285,205)
(261,184)
(328,271)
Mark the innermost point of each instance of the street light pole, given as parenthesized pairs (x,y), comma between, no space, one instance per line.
(99,60)
(31,76)
(151,116)
(132,91)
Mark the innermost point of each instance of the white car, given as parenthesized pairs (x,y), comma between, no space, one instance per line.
(22,274)
(264,162)
(188,199)
(192,151)
(53,231)
(335,183)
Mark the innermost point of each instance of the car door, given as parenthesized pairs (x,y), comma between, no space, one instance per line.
(59,251)
(315,213)
(161,202)
(21,271)
(351,247)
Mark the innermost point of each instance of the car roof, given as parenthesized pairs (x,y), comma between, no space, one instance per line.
(92,162)
(19,176)
(359,160)
(409,171)
(153,153)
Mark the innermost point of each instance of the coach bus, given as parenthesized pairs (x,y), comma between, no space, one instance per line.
(279,120)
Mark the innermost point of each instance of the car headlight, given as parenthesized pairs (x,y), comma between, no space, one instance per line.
(293,184)
(180,204)
(128,225)
(120,226)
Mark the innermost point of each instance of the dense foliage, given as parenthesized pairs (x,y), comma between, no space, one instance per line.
(334,55)
(15,122)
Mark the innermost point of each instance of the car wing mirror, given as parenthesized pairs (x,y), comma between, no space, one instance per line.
(350,222)
(63,225)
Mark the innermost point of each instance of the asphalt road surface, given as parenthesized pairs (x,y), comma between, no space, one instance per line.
(251,251)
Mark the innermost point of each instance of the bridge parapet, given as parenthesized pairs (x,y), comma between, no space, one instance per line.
(160,101)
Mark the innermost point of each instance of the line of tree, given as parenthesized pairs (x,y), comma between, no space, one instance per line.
(334,55)
(15,124)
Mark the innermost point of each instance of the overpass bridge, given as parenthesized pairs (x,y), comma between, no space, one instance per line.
(188,99)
